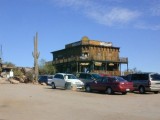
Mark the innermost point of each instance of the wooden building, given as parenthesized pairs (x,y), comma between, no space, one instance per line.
(89,56)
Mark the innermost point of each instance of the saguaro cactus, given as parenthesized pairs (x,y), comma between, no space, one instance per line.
(36,56)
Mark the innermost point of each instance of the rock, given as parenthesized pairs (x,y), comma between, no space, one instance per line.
(19,79)
(4,74)
(14,81)
(4,81)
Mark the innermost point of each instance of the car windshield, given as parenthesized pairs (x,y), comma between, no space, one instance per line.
(50,77)
(71,77)
(155,77)
(96,76)
(120,79)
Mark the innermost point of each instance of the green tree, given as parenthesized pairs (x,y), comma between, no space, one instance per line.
(130,71)
(9,64)
(46,68)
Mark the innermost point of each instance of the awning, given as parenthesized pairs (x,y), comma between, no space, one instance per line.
(98,63)
(84,63)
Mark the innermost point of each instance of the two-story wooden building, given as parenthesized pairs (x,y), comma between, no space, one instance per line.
(89,56)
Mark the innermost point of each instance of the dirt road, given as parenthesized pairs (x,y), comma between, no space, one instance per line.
(35,102)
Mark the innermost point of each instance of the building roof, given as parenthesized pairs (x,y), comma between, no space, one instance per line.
(87,42)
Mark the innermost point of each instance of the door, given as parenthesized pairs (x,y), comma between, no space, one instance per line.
(100,84)
(59,80)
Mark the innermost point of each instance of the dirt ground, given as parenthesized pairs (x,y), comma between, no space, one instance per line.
(36,102)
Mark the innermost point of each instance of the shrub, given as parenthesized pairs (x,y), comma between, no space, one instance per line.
(18,73)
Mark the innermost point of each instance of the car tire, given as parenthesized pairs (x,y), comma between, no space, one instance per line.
(53,86)
(124,93)
(109,91)
(88,88)
(156,92)
(141,90)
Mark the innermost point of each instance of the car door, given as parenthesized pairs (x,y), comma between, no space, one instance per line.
(101,84)
(112,83)
(59,80)
(134,79)
(95,84)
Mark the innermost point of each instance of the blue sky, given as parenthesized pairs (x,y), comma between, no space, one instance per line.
(132,25)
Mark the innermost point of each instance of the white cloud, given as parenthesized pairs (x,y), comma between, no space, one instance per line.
(146,26)
(114,16)
(155,8)
(101,14)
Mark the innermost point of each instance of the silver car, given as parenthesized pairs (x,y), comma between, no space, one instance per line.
(63,80)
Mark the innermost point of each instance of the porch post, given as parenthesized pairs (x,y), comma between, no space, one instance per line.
(77,66)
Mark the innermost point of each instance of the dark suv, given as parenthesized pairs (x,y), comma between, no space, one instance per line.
(145,82)
(45,79)
(87,77)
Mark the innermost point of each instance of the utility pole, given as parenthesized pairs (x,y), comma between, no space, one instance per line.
(36,56)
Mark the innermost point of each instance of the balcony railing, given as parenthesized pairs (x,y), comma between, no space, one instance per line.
(109,73)
(123,60)
(64,60)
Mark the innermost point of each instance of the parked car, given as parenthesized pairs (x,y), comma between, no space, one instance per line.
(110,85)
(61,80)
(145,82)
(45,79)
(87,77)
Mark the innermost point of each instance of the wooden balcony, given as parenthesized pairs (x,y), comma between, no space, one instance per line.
(109,73)
(65,60)
(123,60)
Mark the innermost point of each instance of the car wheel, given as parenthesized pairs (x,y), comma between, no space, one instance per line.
(156,92)
(88,88)
(53,86)
(124,93)
(109,91)
(141,90)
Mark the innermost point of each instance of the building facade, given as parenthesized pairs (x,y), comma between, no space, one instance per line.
(89,56)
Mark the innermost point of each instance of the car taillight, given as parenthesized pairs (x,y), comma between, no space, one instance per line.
(122,83)
(149,83)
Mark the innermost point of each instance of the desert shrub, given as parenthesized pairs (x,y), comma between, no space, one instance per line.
(29,77)
(17,73)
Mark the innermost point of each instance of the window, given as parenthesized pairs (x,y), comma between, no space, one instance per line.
(71,77)
(111,79)
(88,76)
(140,77)
(96,76)
(59,76)
(104,80)
(134,77)
(120,79)
(155,77)
(99,80)
(56,76)
(82,76)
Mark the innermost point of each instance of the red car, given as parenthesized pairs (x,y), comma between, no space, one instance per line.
(110,85)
